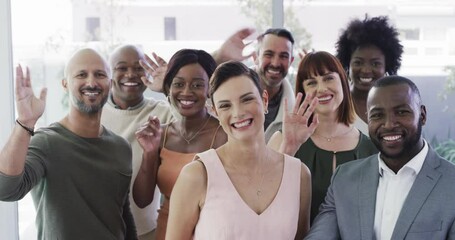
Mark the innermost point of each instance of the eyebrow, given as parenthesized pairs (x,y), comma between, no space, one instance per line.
(195,78)
(242,96)
(124,62)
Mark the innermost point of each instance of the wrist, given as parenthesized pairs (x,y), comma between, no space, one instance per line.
(30,130)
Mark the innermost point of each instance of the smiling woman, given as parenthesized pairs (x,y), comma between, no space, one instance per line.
(335,140)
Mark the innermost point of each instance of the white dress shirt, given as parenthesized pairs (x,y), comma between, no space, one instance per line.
(392,192)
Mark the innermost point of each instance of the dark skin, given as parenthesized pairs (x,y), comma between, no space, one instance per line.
(187,94)
(395,118)
(366,66)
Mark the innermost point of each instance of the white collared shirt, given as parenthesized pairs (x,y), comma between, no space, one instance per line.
(392,192)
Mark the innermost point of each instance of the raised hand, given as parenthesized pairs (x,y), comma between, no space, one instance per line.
(156,70)
(232,48)
(296,129)
(29,107)
(302,53)
(149,135)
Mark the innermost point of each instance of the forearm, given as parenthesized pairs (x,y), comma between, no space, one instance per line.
(145,182)
(12,156)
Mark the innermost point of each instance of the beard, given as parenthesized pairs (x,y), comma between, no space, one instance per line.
(88,109)
(408,144)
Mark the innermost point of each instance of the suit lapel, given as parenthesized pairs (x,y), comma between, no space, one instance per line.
(420,190)
(367,196)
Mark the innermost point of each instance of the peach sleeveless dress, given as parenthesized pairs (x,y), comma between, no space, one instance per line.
(171,164)
(226,216)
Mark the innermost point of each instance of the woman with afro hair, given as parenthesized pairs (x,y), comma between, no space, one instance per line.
(368,50)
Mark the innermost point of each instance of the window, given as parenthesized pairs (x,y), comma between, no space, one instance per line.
(92,28)
(410,34)
(169,29)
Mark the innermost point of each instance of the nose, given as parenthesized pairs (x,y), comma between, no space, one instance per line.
(321,87)
(390,121)
(275,61)
(238,112)
(91,80)
(186,89)
(366,68)
(130,72)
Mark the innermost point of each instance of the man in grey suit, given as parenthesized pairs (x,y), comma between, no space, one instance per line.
(406,191)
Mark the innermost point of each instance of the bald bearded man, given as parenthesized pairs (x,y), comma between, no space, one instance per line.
(78,171)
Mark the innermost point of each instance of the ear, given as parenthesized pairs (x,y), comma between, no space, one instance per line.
(65,84)
(256,58)
(423,114)
(292,59)
(265,99)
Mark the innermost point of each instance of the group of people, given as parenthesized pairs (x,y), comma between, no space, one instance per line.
(235,152)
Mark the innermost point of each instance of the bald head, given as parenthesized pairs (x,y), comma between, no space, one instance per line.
(85,58)
(124,50)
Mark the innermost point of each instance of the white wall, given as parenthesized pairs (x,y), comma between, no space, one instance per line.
(8,211)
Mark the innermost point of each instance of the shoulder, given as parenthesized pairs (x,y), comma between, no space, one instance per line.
(357,166)
(194,175)
(110,136)
(159,108)
(156,104)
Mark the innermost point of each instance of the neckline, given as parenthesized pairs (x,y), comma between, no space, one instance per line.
(361,137)
(239,197)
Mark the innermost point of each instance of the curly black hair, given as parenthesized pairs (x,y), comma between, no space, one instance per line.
(376,31)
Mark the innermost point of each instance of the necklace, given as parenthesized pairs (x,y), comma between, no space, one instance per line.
(188,140)
(329,139)
(259,189)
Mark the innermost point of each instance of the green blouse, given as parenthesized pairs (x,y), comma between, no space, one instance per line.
(320,163)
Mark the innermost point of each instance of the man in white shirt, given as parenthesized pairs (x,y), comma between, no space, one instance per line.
(406,191)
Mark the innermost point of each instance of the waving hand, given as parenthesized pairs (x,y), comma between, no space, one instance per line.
(29,107)
(296,127)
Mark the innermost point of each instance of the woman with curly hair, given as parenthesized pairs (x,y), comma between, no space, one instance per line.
(368,49)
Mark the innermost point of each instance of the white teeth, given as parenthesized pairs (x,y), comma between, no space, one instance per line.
(366,80)
(392,138)
(326,98)
(242,124)
(91,93)
(273,71)
(130,84)
(183,102)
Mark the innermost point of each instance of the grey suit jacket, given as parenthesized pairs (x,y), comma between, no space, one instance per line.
(348,210)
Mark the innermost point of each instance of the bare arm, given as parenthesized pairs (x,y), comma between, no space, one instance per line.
(29,110)
(305,203)
(149,137)
(186,201)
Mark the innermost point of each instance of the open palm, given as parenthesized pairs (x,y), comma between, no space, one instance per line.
(156,69)
(29,107)
(296,129)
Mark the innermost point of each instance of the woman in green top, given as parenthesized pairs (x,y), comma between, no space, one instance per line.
(335,140)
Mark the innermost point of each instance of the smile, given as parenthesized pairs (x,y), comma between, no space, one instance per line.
(243,123)
(366,80)
(186,102)
(325,98)
(392,138)
(130,84)
(90,93)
